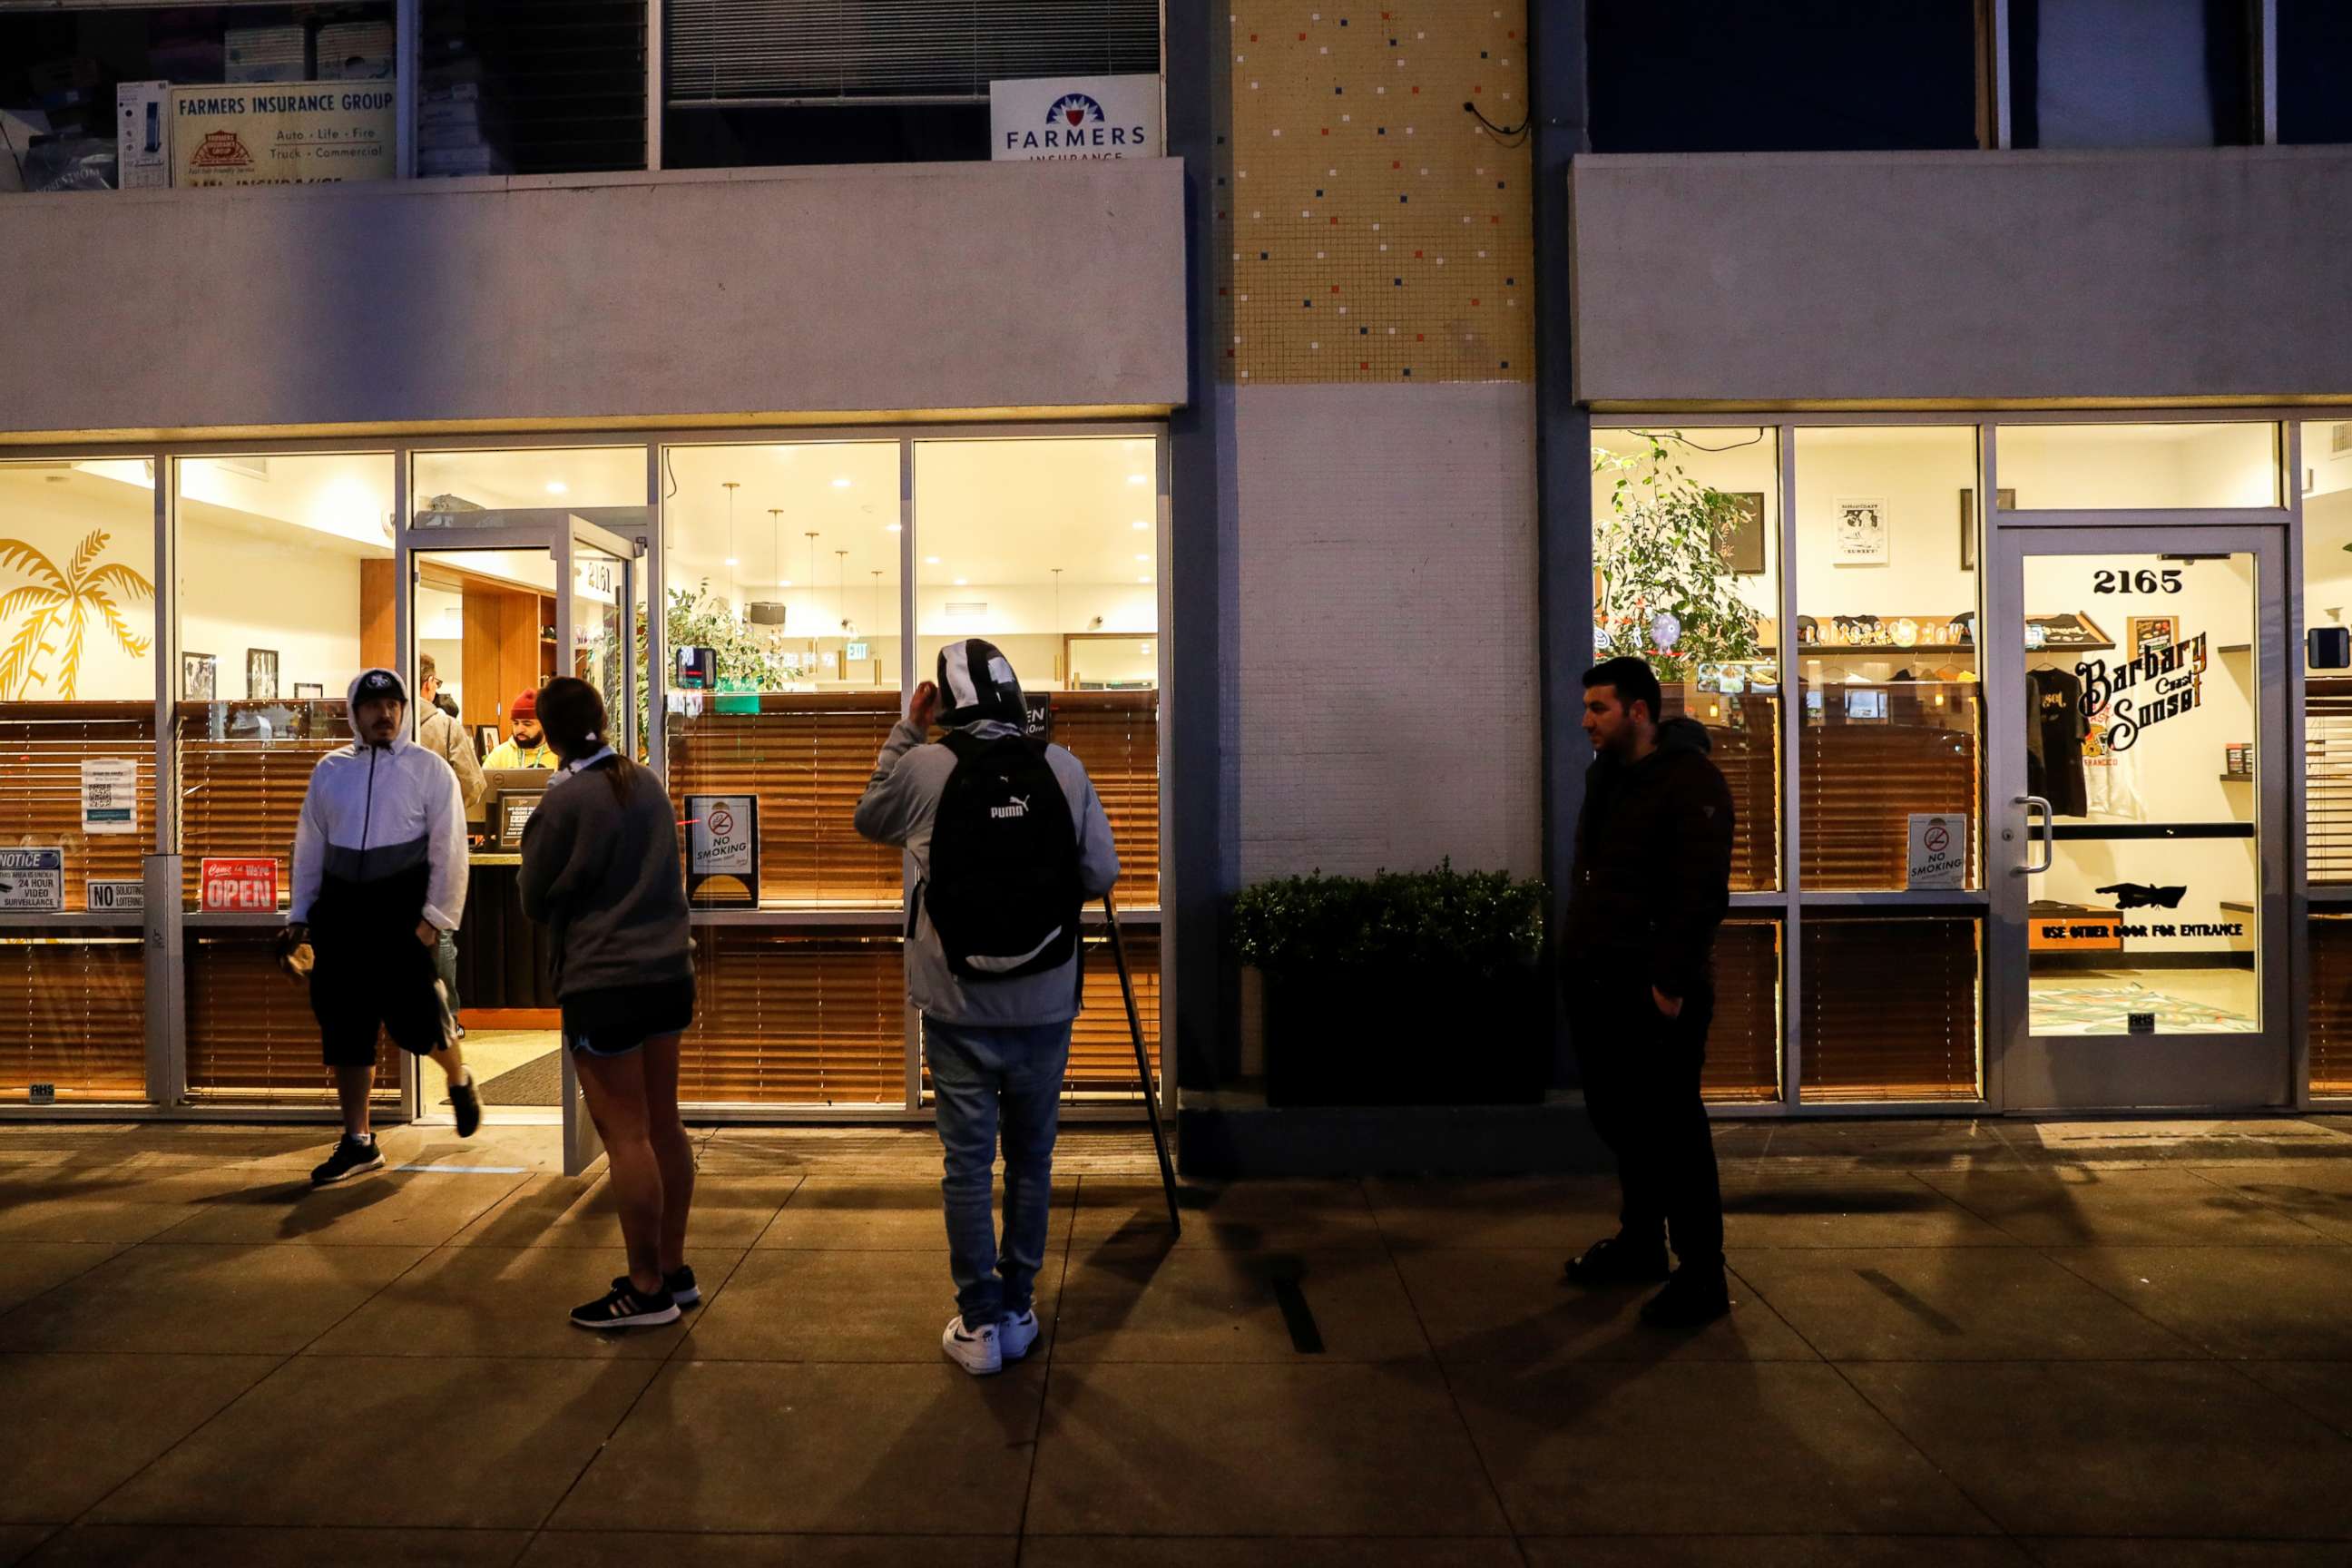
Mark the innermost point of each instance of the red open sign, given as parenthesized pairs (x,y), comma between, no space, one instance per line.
(241,886)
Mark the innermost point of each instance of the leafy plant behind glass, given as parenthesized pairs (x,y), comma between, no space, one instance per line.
(1659,551)
(696,619)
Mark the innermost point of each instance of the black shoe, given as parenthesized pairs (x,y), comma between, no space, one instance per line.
(1617,1261)
(351,1158)
(680,1283)
(1692,1299)
(466,1099)
(623,1307)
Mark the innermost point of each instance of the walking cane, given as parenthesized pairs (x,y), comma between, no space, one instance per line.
(1143,1067)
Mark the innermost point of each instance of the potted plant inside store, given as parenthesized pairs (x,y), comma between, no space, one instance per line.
(1401,988)
(1664,587)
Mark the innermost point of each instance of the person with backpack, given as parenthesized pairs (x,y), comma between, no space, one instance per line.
(600,870)
(1009,841)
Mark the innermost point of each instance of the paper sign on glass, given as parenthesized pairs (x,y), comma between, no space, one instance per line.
(1940,851)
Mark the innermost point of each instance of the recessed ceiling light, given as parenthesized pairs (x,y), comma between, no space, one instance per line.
(1139,479)
(963,582)
(1143,579)
(1140,525)
(783,582)
(841,484)
(930,560)
(557,486)
(892,527)
(733,561)
(1143,557)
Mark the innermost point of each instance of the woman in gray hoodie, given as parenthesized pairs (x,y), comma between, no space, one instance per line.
(600,869)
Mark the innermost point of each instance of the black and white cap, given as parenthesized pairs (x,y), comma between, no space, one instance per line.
(977,684)
(375,686)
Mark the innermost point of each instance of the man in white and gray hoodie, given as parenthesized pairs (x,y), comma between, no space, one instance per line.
(999,1047)
(379,874)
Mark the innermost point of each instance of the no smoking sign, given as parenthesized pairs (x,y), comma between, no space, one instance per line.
(1940,851)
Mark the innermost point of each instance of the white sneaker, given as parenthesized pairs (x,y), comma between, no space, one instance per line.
(975,1350)
(1014,1335)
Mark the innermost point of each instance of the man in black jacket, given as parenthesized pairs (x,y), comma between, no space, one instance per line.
(1651,880)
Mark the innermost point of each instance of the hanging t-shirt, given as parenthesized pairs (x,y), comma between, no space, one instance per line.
(2054,731)
(2110,778)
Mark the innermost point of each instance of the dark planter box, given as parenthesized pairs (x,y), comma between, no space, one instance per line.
(1349,1035)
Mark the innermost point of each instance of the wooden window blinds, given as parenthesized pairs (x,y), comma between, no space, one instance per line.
(1859,781)
(81,999)
(2327,778)
(1745,736)
(794,1018)
(241,794)
(1743,1045)
(806,757)
(1891,1009)
(251,1037)
(2331,1005)
(42,748)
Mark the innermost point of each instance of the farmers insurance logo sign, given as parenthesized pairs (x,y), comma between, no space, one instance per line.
(1074,117)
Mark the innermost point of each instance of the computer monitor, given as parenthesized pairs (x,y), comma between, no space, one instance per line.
(513,793)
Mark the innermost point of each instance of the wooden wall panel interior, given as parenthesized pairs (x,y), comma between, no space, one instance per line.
(1743,1046)
(42,748)
(251,1036)
(1891,1009)
(2331,1005)
(795,1019)
(76,1004)
(1859,783)
(245,796)
(1744,732)
(379,634)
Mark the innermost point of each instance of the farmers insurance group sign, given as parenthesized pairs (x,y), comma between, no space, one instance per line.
(282,134)
(1074,117)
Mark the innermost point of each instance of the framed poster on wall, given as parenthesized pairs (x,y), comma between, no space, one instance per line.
(1861,535)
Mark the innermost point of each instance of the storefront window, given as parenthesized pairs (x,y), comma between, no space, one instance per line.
(2073,468)
(1888,534)
(2131,73)
(1686,573)
(2327,481)
(1049,548)
(284,593)
(1743,1043)
(78,788)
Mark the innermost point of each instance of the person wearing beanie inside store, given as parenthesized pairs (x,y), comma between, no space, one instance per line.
(526,746)
(1010,841)
(379,874)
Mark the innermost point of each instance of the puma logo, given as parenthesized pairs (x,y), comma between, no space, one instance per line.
(1020,807)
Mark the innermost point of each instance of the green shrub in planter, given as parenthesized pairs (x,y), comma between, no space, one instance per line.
(1401,988)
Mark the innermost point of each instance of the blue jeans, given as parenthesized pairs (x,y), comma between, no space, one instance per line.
(979,1076)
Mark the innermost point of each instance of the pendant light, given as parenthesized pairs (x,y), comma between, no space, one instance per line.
(812,589)
(1059,675)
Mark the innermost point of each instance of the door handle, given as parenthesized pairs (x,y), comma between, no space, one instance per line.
(2049,836)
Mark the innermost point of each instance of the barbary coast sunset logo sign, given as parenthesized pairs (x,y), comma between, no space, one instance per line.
(2162,683)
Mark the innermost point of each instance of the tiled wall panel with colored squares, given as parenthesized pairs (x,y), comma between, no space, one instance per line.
(1372,229)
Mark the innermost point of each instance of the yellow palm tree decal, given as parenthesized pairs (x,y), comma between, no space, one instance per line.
(68,600)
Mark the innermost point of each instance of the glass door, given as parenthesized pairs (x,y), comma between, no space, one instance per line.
(501,603)
(2137,704)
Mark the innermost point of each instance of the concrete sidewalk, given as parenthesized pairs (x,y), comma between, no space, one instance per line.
(1957,1343)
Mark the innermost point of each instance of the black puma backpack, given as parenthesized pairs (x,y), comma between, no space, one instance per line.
(1004,891)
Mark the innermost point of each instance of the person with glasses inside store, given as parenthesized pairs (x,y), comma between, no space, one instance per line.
(601,871)
(526,747)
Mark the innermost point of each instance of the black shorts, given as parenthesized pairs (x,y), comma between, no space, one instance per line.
(616,1021)
(386,981)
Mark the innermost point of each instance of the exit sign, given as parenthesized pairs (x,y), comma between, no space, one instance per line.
(240,887)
